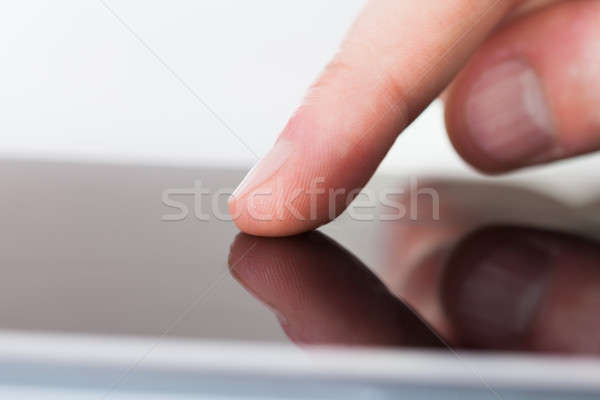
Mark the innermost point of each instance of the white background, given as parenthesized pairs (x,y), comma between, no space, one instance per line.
(76,83)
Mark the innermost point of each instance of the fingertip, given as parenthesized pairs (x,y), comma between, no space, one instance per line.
(499,117)
(267,217)
(528,96)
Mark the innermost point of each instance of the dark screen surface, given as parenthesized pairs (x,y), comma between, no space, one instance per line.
(149,251)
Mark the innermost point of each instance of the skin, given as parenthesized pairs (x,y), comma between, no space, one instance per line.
(322,294)
(400,55)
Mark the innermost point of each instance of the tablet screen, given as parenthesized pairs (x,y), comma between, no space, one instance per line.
(151,251)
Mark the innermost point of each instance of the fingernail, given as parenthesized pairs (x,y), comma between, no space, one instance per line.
(501,293)
(265,168)
(507,115)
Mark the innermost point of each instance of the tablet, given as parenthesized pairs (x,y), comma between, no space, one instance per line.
(131,282)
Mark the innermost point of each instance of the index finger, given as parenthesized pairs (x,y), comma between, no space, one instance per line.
(397,57)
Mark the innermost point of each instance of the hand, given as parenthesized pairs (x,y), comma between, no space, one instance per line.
(521,89)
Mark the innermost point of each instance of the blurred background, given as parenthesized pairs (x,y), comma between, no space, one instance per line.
(156,83)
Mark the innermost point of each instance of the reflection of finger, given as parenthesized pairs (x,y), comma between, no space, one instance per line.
(324,295)
(416,253)
(531,94)
(524,289)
